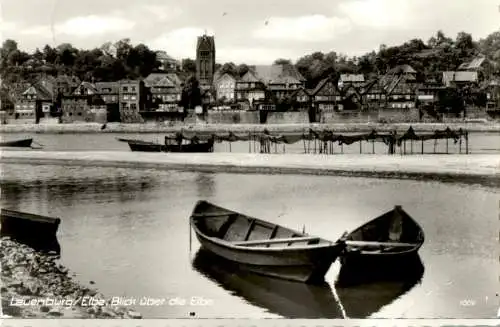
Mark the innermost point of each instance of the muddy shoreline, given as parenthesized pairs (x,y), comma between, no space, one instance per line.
(35,285)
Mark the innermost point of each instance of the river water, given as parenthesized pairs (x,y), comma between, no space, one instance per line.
(478,143)
(127,230)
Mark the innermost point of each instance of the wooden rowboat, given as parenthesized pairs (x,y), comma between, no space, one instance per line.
(279,296)
(384,242)
(263,247)
(24,143)
(36,231)
(144,146)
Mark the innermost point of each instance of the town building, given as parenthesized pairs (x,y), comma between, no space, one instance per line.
(492,90)
(280,80)
(460,79)
(85,88)
(301,100)
(250,91)
(373,95)
(165,94)
(109,92)
(356,80)
(352,97)
(83,108)
(400,85)
(132,100)
(34,103)
(327,97)
(167,63)
(225,86)
(428,93)
(205,60)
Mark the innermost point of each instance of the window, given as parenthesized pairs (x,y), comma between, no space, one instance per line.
(133,106)
(125,89)
(133,88)
(125,97)
(133,97)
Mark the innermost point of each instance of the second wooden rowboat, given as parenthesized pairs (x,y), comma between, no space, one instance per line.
(384,242)
(263,247)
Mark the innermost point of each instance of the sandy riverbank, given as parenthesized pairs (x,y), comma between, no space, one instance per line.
(34,285)
(208,128)
(476,168)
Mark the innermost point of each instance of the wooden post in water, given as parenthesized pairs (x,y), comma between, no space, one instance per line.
(466,142)
(435,144)
(342,148)
(460,144)
(373,146)
(411,146)
(447,145)
(422,146)
(360,146)
(249,143)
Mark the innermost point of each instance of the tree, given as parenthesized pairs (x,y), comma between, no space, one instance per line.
(282,61)
(191,94)
(229,68)
(242,69)
(465,45)
(188,65)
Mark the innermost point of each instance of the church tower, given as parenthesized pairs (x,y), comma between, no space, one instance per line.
(205,59)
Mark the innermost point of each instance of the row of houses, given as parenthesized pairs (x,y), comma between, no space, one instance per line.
(265,88)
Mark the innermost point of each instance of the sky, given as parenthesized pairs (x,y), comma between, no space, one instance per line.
(252,32)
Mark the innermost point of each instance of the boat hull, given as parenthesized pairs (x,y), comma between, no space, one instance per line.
(26,143)
(144,147)
(377,252)
(185,148)
(307,266)
(36,231)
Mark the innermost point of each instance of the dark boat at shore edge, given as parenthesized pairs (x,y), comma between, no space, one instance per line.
(24,143)
(144,146)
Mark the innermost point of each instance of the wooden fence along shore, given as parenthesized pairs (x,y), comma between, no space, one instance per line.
(324,141)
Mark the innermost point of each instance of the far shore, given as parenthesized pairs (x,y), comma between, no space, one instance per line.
(76,128)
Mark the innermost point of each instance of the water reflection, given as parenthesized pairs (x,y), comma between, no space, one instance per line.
(363,294)
(71,190)
(205,184)
(288,299)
